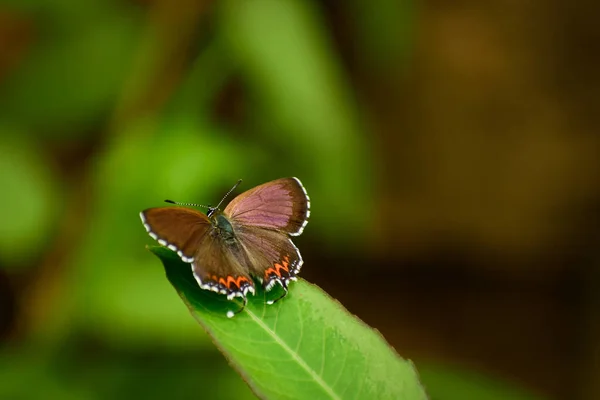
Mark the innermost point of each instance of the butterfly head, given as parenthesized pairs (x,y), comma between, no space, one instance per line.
(211,211)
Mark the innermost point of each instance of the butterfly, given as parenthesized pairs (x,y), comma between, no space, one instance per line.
(250,239)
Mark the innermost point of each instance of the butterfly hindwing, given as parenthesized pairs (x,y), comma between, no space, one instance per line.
(222,268)
(281,205)
(272,257)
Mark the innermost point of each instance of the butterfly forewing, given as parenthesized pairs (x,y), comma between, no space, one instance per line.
(281,205)
(180,229)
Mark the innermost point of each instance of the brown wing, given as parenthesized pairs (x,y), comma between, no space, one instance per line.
(281,205)
(221,267)
(180,229)
(272,256)
(216,265)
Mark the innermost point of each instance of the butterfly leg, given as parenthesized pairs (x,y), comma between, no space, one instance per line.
(285,292)
(230,313)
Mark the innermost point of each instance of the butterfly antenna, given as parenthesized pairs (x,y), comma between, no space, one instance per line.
(186,204)
(210,208)
(230,313)
(228,193)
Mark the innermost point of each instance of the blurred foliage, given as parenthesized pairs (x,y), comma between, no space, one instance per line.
(448,382)
(75,67)
(29,205)
(108,107)
(295,79)
(86,75)
(83,371)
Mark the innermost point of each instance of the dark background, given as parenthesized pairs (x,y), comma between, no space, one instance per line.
(450,152)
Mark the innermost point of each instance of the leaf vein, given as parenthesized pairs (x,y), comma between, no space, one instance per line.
(340,370)
(296,357)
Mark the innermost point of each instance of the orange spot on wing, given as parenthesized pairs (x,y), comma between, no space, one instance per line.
(241,279)
(277,268)
(230,280)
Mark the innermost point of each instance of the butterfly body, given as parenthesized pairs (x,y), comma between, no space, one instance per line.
(249,239)
(222,229)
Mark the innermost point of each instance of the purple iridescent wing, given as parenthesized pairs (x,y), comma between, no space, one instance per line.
(280,205)
(263,218)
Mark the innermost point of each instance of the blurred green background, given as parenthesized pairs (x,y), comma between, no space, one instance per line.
(450,152)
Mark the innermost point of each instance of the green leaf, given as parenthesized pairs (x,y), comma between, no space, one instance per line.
(306,346)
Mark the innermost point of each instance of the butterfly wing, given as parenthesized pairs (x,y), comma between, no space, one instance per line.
(180,229)
(271,255)
(281,205)
(262,218)
(216,266)
(222,268)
